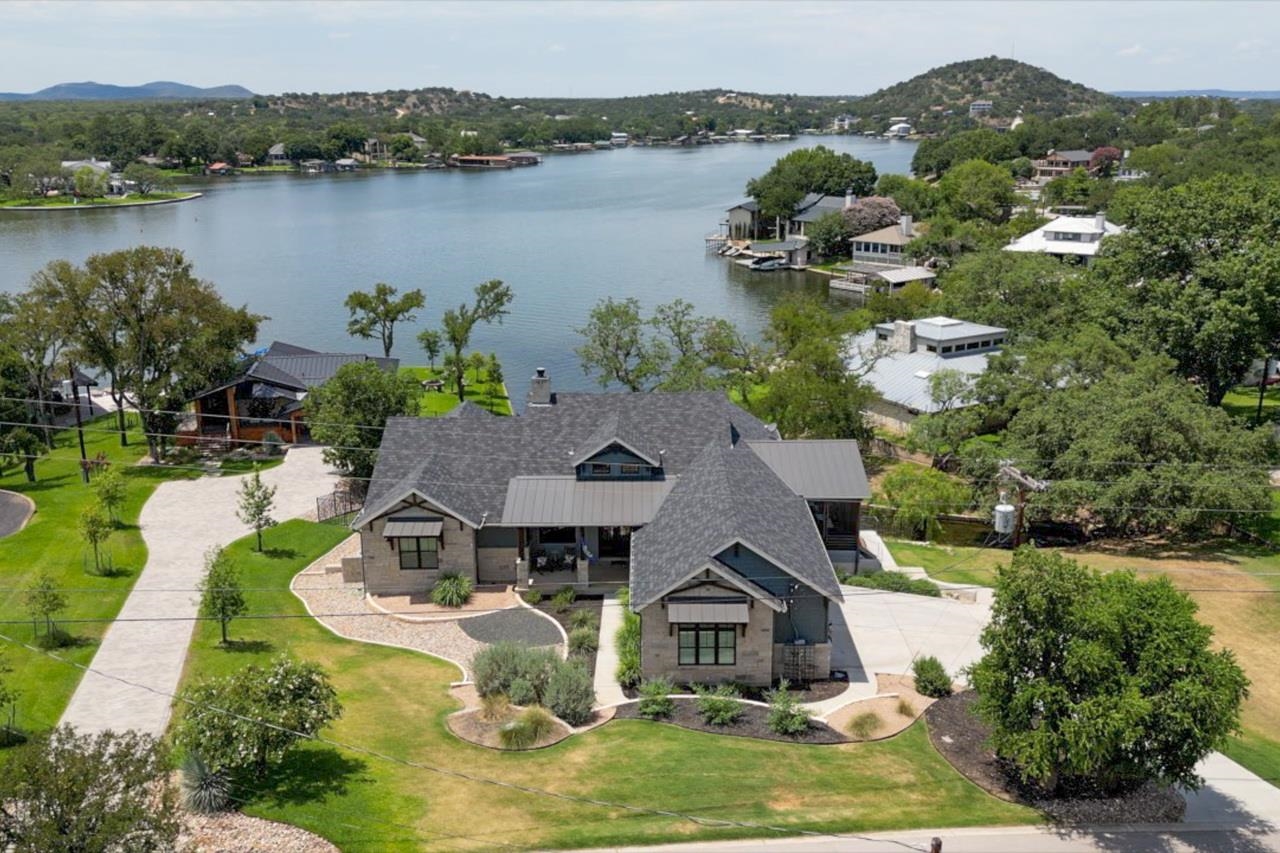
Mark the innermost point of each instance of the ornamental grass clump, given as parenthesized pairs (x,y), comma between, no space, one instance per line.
(584,619)
(786,716)
(532,725)
(564,598)
(864,725)
(584,640)
(719,706)
(452,590)
(655,699)
(627,643)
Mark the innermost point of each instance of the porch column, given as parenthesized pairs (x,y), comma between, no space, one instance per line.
(522,572)
(584,572)
(231,412)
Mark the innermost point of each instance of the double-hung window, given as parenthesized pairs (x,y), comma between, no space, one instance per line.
(708,645)
(419,553)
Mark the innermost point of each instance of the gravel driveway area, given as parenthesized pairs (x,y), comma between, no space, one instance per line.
(518,625)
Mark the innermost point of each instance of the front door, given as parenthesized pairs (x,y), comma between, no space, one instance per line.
(615,543)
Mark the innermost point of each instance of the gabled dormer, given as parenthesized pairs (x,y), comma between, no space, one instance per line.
(613,452)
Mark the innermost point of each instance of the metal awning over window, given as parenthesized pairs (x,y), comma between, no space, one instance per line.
(420,528)
(708,613)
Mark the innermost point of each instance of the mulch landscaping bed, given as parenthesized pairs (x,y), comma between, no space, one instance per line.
(962,739)
(592,604)
(750,724)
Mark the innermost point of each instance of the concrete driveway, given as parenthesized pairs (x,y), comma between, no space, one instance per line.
(148,644)
(876,631)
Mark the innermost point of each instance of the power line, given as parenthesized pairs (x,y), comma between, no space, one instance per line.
(458,774)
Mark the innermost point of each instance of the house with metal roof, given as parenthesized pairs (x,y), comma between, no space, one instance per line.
(268,394)
(1077,238)
(728,536)
(902,359)
(885,245)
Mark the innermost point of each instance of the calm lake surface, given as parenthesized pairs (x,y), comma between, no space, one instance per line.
(578,228)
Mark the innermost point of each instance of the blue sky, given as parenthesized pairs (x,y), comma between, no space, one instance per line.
(625,48)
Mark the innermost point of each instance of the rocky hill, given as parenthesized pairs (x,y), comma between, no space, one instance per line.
(160,89)
(1011,86)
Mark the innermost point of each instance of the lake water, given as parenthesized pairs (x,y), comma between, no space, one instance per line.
(626,222)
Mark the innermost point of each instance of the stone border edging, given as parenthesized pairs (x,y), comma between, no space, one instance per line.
(443,617)
(466,676)
(34,208)
(31,511)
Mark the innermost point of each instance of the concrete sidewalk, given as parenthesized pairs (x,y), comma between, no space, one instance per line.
(608,691)
(181,521)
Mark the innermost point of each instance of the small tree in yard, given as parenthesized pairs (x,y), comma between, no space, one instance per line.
(349,411)
(22,445)
(256,502)
(1104,681)
(431,343)
(95,529)
(111,489)
(376,314)
(245,721)
(44,601)
(919,495)
(492,299)
(221,597)
(88,793)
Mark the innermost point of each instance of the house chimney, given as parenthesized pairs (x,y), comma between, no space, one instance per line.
(539,388)
(906,224)
(903,338)
(849,198)
(1100,222)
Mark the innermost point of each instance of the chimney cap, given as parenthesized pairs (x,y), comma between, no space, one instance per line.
(540,372)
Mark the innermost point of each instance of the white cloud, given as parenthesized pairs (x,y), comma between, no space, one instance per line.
(1131,50)
(1250,45)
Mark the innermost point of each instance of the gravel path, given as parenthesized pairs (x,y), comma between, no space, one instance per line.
(326,593)
(525,627)
(234,832)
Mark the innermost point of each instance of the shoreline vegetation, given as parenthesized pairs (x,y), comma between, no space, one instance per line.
(73,203)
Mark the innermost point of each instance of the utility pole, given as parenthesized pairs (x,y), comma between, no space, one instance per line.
(1025,484)
(84,457)
(1262,387)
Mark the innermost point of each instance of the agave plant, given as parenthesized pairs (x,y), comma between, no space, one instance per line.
(204,789)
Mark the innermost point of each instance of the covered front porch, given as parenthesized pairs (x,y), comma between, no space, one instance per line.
(579,556)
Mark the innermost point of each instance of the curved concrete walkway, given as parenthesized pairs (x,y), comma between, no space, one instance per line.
(180,522)
(15,511)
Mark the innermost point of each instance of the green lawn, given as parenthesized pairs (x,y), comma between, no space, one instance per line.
(1242,402)
(50,543)
(949,563)
(111,201)
(484,393)
(396,701)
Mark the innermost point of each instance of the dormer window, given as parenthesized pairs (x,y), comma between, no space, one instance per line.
(599,469)
(630,470)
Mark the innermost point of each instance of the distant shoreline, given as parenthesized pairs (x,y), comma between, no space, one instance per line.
(109,206)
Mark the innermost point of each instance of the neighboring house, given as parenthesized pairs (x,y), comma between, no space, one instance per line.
(481,161)
(1055,164)
(727,535)
(346,164)
(276,155)
(419,142)
(1126,172)
(102,167)
(524,158)
(744,220)
(376,149)
(868,278)
(1076,237)
(218,168)
(885,245)
(315,166)
(844,122)
(977,109)
(619,140)
(904,355)
(268,394)
(900,130)
(793,252)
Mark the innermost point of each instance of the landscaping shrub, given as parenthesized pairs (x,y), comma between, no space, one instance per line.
(272,443)
(533,597)
(719,706)
(495,707)
(931,678)
(498,666)
(863,725)
(570,693)
(893,582)
(452,590)
(204,790)
(584,640)
(55,638)
(521,692)
(655,701)
(628,645)
(584,619)
(906,709)
(564,598)
(526,730)
(786,717)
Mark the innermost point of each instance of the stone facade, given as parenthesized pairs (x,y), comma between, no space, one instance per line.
(382,572)
(659,646)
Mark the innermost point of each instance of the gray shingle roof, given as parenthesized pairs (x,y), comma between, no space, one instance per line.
(727,495)
(464,465)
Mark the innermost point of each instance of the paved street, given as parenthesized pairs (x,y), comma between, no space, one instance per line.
(181,521)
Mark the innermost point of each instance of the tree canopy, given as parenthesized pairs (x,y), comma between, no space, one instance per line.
(348,413)
(1104,680)
(809,170)
(375,313)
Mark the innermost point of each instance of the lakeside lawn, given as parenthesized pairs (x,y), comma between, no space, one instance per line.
(50,543)
(109,201)
(480,390)
(1234,585)
(1242,402)
(395,702)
